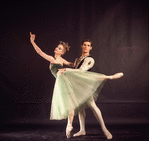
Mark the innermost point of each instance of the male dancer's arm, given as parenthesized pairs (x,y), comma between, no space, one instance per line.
(87,64)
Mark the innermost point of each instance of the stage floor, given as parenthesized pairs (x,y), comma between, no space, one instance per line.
(56,132)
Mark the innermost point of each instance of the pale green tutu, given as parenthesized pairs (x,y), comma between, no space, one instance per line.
(74,89)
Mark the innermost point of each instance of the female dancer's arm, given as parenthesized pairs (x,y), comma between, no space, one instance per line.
(38,50)
(68,63)
(87,64)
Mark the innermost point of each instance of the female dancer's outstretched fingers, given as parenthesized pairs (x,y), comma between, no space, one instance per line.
(32,37)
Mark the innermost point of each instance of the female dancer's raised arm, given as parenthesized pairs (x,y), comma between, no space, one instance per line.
(38,50)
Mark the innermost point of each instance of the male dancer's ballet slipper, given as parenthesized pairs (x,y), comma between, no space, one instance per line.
(68,131)
(108,135)
(116,76)
(80,133)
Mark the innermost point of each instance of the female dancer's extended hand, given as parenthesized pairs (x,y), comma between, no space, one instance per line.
(61,70)
(32,37)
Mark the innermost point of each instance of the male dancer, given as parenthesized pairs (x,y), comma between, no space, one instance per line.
(86,62)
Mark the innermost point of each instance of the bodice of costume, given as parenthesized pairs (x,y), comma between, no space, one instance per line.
(54,68)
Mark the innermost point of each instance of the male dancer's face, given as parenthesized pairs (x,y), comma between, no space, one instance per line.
(86,47)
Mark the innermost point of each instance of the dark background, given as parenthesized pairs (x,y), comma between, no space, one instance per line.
(119,30)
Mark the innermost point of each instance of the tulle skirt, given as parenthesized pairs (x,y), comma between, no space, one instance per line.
(74,89)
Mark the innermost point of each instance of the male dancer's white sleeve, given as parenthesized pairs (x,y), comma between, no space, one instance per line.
(87,64)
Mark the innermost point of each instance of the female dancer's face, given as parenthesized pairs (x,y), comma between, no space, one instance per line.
(59,50)
(86,47)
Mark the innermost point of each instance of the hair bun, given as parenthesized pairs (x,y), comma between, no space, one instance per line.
(65,45)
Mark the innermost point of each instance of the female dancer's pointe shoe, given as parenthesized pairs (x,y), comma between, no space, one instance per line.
(80,133)
(68,131)
(116,76)
(108,135)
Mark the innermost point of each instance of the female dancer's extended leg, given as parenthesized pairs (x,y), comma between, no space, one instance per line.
(115,76)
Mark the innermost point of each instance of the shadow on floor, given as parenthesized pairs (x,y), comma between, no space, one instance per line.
(56,132)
